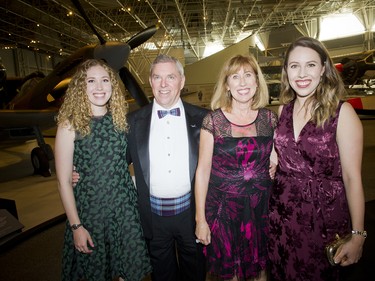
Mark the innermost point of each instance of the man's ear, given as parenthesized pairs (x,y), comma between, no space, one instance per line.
(182,82)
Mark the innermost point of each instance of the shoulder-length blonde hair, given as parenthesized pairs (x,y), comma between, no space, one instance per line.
(330,90)
(76,108)
(222,97)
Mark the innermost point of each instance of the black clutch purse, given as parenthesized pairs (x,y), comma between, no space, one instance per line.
(332,247)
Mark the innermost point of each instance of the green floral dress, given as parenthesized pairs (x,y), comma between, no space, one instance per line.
(107,206)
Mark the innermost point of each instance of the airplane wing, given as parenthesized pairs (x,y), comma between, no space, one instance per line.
(44,119)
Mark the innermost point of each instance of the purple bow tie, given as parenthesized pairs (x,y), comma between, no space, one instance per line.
(173,111)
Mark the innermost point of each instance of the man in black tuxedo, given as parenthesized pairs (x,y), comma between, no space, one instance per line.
(163,147)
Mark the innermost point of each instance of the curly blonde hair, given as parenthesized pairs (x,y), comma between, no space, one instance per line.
(76,108)
(330,90)
(223,98)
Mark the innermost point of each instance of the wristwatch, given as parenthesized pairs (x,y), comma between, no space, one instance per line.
(75,226)
(358,232)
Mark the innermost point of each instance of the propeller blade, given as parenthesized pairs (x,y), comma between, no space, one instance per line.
(133,87)
(80,9)
(115,54)
(142,36)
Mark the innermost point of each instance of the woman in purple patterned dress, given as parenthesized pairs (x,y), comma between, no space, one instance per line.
(233,178)
(318,187)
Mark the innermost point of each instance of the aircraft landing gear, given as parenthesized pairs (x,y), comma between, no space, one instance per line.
(40,156)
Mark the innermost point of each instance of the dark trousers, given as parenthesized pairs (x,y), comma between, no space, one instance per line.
(175,256)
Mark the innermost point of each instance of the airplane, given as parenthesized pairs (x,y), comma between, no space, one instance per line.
(356,70)
(358,74)
(37,109)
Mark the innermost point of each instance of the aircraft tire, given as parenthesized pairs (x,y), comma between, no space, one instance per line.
(40,162)
(48,149)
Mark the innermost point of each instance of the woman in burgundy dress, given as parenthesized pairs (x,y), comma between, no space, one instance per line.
(233,181)
(318,187)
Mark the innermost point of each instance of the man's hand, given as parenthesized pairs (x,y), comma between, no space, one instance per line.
(75,178)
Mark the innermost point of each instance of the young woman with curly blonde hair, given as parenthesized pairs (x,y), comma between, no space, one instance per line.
(103,236)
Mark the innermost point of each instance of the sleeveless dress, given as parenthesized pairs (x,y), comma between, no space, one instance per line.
(238,194)
(308,204)
(107,207)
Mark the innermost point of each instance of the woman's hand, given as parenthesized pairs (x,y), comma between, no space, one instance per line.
(272,169)
(82,240)
(350,252)
(203,233)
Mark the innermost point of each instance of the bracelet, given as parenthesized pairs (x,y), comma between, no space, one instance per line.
(358,232)
(75,226)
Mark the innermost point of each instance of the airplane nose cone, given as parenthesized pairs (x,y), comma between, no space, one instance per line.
(114,53)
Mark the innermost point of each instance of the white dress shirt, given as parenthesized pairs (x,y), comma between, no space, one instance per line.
(169,154)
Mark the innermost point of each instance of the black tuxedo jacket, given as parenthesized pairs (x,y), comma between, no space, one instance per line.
(138,154)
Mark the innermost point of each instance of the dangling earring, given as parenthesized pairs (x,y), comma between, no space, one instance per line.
(229,94)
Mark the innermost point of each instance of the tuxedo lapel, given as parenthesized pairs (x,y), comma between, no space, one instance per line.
(142,136)
(193,130)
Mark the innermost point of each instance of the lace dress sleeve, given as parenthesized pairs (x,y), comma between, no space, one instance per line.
(216,124)
(207,123)
(266,122)
(274,119)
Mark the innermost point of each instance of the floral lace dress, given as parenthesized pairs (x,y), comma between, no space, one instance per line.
(238,194)
(308,204)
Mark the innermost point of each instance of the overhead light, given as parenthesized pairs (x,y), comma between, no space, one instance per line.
(259,44)
(331,26)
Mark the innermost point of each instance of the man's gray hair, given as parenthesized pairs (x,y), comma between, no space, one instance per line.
(165,58)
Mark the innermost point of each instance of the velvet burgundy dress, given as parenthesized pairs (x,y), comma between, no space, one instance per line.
(308,204)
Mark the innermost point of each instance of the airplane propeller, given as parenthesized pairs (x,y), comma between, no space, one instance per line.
(114,53)
(123,51)
(141,36)
(82,12)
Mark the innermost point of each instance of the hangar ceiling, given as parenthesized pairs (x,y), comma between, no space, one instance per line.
(55,26)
